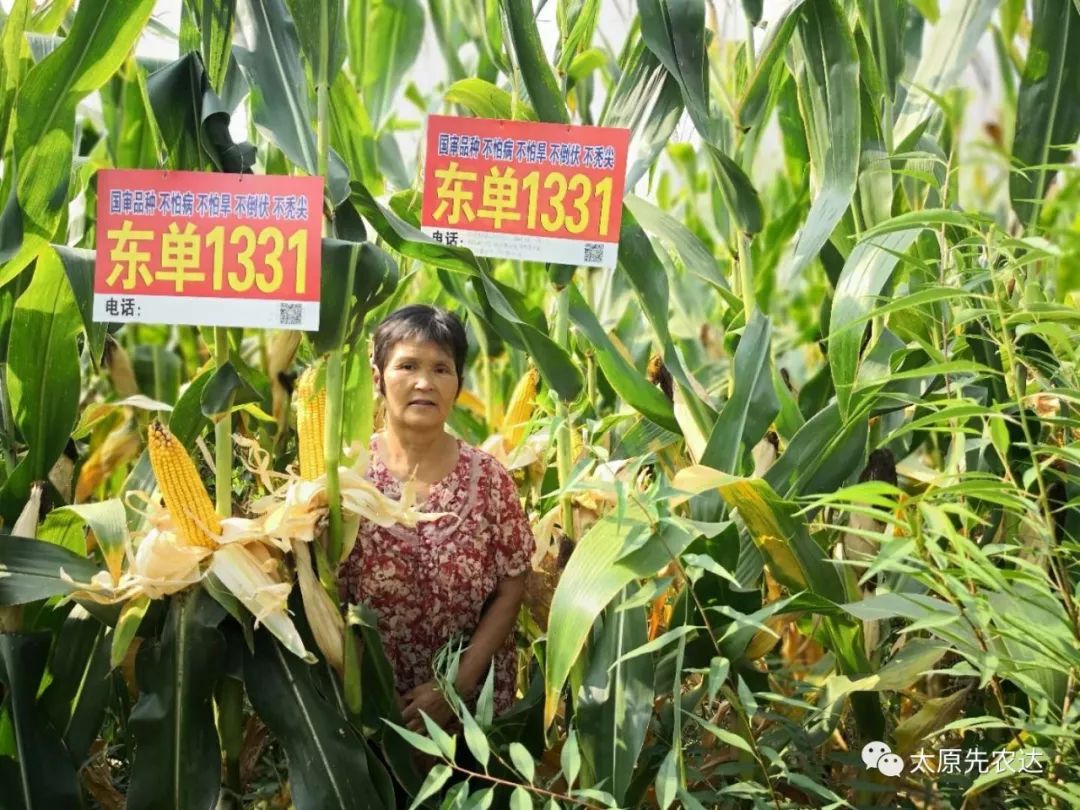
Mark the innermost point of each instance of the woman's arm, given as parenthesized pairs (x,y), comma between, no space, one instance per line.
(496,623)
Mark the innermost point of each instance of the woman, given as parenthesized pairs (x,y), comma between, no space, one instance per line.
(462,575)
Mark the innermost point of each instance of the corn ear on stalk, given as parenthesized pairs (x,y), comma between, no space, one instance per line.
(185,496)
(327,626)
(310,425)
(120,369)
(520,409)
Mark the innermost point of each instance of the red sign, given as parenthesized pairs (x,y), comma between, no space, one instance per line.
(208,248)
(523,190)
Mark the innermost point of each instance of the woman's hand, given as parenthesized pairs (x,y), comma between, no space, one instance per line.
(431,701)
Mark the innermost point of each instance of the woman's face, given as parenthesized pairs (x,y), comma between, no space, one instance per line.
(420,383)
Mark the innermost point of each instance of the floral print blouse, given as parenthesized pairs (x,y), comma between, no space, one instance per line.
(429,584)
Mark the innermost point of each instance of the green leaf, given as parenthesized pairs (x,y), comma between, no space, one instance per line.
(12,44)
(107,520)
(752,103)
(884,23)
(570,759)
(866,273)
(79,267)
(951,45)
(523,761)
(724,736)
(615,702)
(827,76)
(485,100)
(753,405)
(393,34)
(595,573)
(270,59)
(226,389)
(46,776)
(177,756)
(131,616)
(627,381)
(475,738)
(80,687)
(351,133)
(328,763)
(379,709)
(642,268)
(675,33)
(43,376)
(193,121)
(30,570)
(647,101)
(520,799)
(667,780)
(216,24)
(100,37)
(356,278)
(821,455)
(433,784)
(547,99)
(417,741)
(1047,115)
(310,19)
(693,253)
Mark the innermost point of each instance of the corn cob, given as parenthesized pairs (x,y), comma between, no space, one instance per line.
(185,496)
(519,411)
(310,425)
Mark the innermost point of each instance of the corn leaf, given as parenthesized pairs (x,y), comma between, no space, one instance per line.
(100,37)
(177,757)
(311,18)
(328,762)
(595,573)
(46,776)
(1047,115)
(76,699)
(752,103)
(866,273)
(615,703)
(951,45)
(547,99)
(627,381)
(827,76)
(753,405)
(270,59)
(79,266)
(648,102)
(43,376)
(393,33)
(12,43)
(675,33)
(485,100)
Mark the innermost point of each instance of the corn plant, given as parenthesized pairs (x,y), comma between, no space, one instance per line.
(802,468)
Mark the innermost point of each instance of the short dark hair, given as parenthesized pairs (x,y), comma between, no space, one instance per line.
(422,322)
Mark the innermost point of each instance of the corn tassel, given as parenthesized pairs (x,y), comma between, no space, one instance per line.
(520,409)
(310,425)
(185,495)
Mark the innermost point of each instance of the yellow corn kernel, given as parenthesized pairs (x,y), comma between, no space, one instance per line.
(185,496)
(520,409)
(310,425)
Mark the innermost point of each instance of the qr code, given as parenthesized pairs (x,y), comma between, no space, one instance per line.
(594,252)
(291,315)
